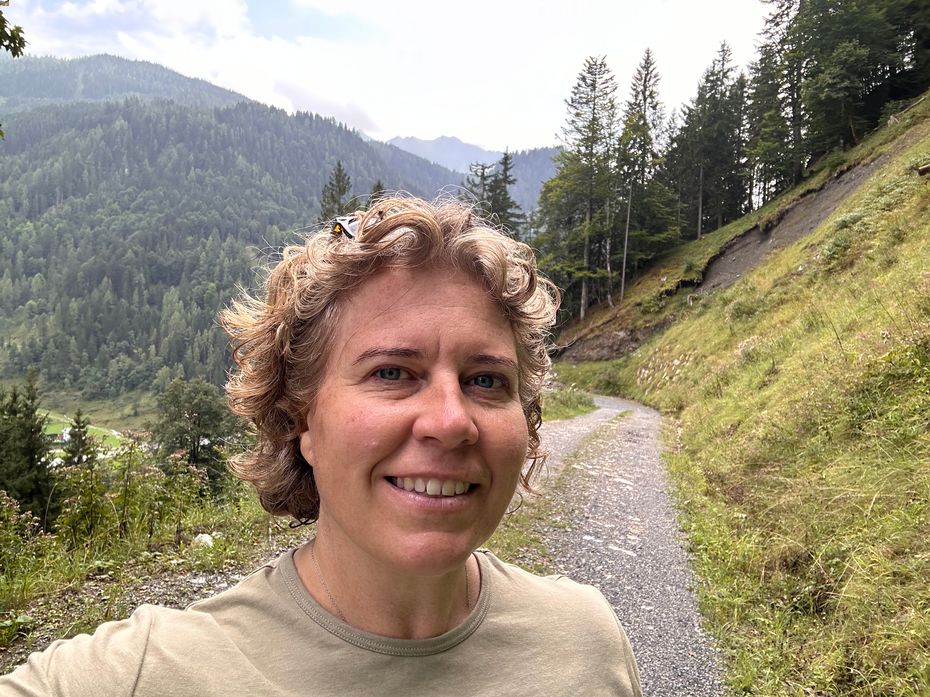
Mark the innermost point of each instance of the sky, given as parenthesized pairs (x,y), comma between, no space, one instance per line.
(495,73)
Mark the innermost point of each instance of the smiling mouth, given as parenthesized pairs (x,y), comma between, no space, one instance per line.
(431,487)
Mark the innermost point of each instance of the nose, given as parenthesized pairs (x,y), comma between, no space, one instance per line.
(445,415)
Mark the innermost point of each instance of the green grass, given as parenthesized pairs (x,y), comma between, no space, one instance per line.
(57,423)
(566,403)
(130,411)
(803,393)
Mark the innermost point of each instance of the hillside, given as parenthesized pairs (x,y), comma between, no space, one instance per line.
(29,82)
(792,348)
(126,225)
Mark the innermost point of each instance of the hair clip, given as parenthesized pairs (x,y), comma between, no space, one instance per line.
(346,225)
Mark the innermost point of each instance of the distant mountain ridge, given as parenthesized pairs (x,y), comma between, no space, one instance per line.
(29,81)
(530,167)
(447,151)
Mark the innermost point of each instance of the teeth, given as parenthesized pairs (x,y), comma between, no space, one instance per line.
(431,487)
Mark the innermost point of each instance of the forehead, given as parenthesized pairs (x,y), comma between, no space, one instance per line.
(423,306)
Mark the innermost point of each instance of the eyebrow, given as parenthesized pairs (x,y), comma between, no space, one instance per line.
(402,352)
(388,352)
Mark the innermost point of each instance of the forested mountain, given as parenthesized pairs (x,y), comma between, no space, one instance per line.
(530,167)
(125,226)
(28,82)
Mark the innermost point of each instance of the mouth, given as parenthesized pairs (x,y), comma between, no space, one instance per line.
(437,488)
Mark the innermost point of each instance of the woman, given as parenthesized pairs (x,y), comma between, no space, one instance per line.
(393,372)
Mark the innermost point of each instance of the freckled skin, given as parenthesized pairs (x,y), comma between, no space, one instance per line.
(422,381)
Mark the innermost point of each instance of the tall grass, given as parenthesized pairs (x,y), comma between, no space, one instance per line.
(803,394)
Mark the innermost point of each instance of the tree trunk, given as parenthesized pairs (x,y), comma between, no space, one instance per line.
(700,201)
(587,255)
(626,238)
(610,297)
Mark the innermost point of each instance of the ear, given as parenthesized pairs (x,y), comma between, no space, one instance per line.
(306,447)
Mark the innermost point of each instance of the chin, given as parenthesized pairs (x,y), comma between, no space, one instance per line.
(435,552)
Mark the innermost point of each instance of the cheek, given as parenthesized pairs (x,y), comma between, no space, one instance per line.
(511,442)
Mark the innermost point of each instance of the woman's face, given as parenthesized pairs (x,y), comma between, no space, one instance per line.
(420,392)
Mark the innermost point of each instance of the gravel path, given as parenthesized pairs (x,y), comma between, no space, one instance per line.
(625,540)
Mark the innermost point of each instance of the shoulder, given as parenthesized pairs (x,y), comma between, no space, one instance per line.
(558,593)
(120,657)
(569,623)
(104,663)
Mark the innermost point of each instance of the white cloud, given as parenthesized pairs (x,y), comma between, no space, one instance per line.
(493,73)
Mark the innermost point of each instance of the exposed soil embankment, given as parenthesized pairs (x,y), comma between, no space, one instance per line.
(610,344)
(742,254)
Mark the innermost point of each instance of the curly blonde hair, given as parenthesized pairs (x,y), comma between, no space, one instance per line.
(281,341)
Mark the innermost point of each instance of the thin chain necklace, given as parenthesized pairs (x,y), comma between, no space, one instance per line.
(332,600)
(329,593)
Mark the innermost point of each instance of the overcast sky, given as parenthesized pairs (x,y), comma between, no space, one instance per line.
(491,72)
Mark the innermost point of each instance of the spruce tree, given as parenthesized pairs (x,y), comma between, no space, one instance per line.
(81,447)
(502,209)
(769,138)
(575,204)
(24,450)
(335,199)
(477,183)
(377,191)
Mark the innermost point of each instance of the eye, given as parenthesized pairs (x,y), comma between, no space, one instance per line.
(488,382)
(391,373)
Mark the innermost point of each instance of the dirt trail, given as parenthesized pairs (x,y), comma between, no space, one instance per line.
(624,539)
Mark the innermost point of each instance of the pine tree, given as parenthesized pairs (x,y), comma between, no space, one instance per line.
(575,204)
(649,227)
(477,183)
(377,191)
(24,451)
(81,447)
(708,151)
(769,138)
(334,199)
(502,209)
(642,122)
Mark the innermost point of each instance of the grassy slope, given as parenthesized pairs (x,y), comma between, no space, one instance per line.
(804,471)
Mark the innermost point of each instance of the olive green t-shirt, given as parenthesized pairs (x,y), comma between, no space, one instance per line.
(267,636)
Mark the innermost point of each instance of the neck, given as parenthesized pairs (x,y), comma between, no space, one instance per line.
(370,596)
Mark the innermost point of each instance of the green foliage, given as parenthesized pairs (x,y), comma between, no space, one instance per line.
(193,422)
(566,403)
(706,159)
(489,186)
(24,450)
(574,218)
(12,40)
(335,198)
(81,480)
